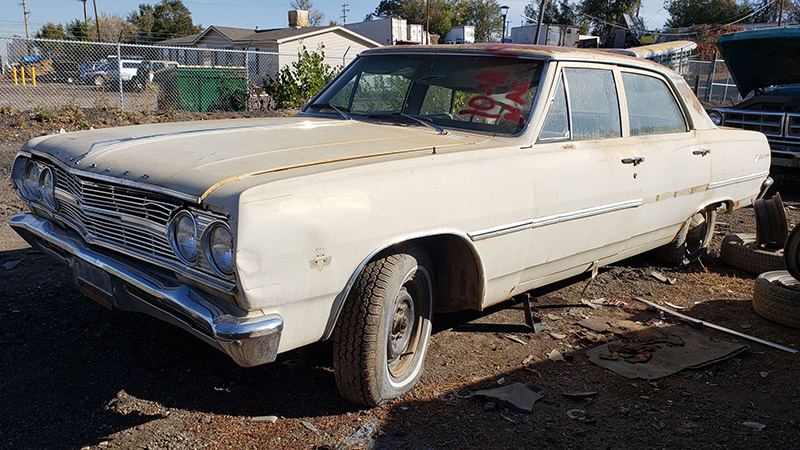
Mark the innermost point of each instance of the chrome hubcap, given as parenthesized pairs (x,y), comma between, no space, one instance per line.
(402,327)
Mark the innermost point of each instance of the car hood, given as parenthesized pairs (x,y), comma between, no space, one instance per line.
(194,158)
(762,58)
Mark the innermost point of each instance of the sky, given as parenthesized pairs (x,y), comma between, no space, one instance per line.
(236,13)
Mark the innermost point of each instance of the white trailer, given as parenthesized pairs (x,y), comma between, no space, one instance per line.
(560,35)
(464,34)
(385,31)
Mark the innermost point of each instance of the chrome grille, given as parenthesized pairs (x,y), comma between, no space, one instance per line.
(770,124)
(793,126)
(130,218)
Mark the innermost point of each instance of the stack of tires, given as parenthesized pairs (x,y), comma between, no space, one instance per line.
(774,254)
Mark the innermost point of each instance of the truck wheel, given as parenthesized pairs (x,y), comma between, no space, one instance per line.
(739,251)
(691,242)
(381,338)
(776,296)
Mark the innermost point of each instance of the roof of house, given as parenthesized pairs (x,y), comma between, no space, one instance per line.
(275,35)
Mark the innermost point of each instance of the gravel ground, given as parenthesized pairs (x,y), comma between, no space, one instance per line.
(77,375)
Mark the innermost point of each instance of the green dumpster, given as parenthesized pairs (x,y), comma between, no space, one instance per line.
(202,88)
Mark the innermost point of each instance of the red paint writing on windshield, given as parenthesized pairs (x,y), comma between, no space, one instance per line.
(483,105)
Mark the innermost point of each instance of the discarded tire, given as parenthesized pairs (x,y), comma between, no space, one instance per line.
(791,253)
(739,251)
(776,296)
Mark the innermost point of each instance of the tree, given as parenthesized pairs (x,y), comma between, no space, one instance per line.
(442,13)
(602,13)
(484,15)
(298,83)
(315,16)
(684,13)
(562,13)
(164,20)
(51,31)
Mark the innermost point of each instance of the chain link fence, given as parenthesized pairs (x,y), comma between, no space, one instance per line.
(44,73)
(712,81)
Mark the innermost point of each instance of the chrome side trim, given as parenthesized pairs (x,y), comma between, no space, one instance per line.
(737,180)
(250,341)
(553,219)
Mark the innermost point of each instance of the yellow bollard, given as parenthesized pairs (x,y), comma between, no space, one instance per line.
(22,69)
(15,76)
(33,75)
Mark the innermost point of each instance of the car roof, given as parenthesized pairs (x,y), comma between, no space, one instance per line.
(541,51)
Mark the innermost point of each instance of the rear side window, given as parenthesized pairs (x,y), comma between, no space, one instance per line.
(593,103)
(651,106)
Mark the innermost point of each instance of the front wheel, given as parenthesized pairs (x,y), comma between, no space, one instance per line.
(381,338)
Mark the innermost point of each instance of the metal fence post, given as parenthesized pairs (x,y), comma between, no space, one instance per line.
(247,71)
(119,75)
(711,69)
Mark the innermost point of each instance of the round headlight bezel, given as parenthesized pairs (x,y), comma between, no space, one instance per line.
(175,236)
(209,250)
(18,175)
(716,117)
(30,181)
(48,194)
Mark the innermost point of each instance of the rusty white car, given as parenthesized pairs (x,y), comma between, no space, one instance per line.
(425,179)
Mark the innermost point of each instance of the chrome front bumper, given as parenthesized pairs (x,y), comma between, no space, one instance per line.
(250,341)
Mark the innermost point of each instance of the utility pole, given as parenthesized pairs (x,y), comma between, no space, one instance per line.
(345,10)
(539,22)
(427,21)
(780,15)
(85,19)
(96,22)
(25,13)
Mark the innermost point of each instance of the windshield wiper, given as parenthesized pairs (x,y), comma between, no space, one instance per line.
(333,107)
(417,119)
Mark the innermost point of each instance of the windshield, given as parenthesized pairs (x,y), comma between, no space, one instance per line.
(480,93)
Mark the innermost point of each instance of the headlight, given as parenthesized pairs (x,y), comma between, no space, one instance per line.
(47,187)
(715,117)
(220,248)
(18,175)
(184,236)
(31,181)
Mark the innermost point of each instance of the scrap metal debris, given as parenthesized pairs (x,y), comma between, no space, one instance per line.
(597,324)
(579,395)
(364,437)
(754,425)
(674,306)
(516,396)
(557,336)
(511,337)
(528,359)
(663,278)
(267,419)
(11,264)
(696,322)
(555,355)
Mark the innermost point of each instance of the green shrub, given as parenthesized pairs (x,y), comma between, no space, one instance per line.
(302,80)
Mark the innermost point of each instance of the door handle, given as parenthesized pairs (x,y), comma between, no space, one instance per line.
(702,152)
(636,160)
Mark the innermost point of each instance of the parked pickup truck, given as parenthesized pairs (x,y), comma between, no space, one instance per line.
(767,63)
(422,179)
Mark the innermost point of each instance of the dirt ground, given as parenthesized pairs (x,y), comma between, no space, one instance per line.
(76,375)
